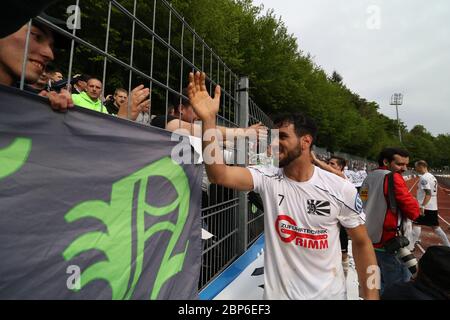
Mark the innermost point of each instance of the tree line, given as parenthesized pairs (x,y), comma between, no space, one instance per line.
(255,43)
(284,78)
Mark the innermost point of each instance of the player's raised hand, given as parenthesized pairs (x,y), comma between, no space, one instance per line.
(140,102)
(204,106)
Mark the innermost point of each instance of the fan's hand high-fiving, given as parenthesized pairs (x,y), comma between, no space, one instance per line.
(204,106)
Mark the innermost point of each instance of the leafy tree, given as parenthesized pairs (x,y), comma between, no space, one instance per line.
(252,43)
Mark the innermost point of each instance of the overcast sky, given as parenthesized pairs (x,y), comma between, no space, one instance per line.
(380,47)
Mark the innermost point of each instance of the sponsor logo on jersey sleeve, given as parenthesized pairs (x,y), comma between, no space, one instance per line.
(358,204)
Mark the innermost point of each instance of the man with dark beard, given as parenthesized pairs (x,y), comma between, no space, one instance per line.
(303,206)
(388,203)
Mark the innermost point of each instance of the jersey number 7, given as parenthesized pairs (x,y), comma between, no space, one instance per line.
(282,198)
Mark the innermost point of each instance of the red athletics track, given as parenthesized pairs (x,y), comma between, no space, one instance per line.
(428,237)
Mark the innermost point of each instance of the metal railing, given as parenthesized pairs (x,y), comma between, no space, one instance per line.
(160,57)
(255,210)
(256,115)
(130,42)
(443,179)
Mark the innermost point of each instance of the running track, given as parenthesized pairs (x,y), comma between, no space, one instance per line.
(428,237)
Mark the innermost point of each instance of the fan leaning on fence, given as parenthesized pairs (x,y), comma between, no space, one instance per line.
(40,53)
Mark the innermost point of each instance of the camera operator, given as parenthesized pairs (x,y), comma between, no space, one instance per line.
(387,203)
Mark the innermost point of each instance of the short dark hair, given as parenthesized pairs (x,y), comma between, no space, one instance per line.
(50,68)
(421,163)
(302,124)
(177,99)
(51,72)
(94,78)
(43,27)
(389,153)
(80,77)
(59,40)
(120,90)
(341,161)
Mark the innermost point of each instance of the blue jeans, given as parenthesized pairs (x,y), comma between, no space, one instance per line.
(392,270)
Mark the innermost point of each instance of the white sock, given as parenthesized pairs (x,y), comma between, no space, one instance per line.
(416,233)
(442,235)
(345,265)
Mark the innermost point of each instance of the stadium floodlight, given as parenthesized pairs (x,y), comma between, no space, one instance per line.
(397,100)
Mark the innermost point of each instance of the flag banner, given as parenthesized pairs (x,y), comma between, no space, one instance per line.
(93,207)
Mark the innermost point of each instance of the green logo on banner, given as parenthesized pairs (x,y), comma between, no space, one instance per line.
(120,270)
(14,156)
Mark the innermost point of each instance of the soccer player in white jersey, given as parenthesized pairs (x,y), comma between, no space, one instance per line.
(336,165)
(427,197)
(303,206)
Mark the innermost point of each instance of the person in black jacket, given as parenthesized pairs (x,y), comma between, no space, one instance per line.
(113,102)
(432,281)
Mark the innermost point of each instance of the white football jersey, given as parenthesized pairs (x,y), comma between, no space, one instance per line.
(356,177)
(303,252)
(349,174)
(428,182)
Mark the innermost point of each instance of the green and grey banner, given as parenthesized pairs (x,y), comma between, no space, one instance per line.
(93,207)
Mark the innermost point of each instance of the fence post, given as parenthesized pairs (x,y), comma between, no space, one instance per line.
(243,202)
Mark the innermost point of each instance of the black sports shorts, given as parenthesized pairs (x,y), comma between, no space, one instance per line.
(343,237)
(429,219)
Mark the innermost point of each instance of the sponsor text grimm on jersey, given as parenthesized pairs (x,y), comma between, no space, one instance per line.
(290,232)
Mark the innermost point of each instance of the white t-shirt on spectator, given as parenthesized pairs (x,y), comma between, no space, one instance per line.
(356,177)
(349,174)
(359,178)
(303,252)
(428,182)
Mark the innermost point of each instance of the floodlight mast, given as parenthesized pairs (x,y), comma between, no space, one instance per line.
(397,100)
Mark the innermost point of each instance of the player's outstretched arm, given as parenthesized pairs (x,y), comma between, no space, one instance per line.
(206,109)
(365,261)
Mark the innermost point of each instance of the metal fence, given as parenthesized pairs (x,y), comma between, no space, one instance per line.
(443,179)
(256,115)
(127,43)
(147,41)
(255,209)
